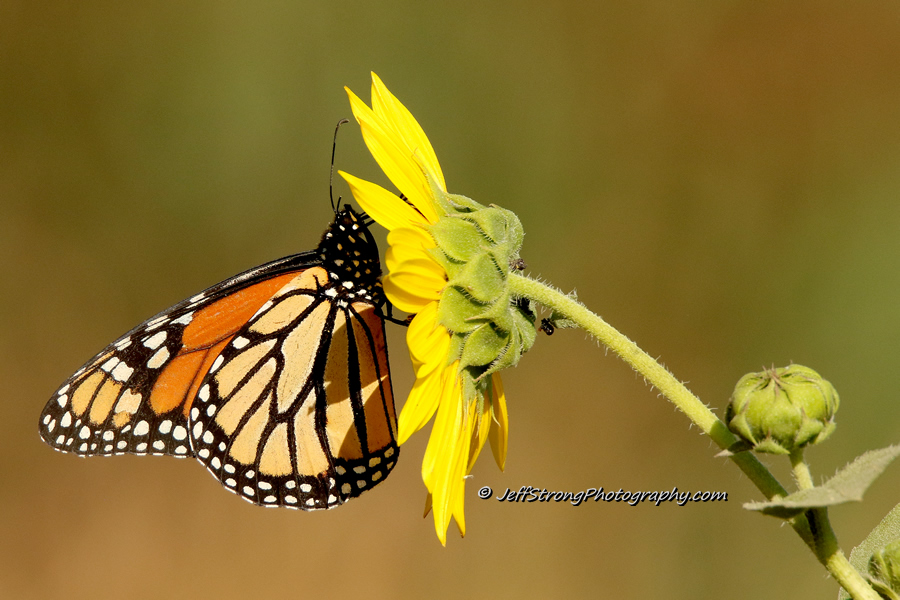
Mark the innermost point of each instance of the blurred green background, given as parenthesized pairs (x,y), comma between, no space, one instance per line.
(718,180)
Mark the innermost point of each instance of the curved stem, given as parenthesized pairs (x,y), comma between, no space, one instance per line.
(655,374)
(826,547)
(832,557)
(814,528)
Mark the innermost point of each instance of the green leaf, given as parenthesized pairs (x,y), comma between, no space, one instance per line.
(848,485)
(886,532)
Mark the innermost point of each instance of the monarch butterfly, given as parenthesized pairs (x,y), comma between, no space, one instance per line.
(277,380)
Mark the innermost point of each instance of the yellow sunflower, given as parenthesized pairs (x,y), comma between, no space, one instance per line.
(470,406)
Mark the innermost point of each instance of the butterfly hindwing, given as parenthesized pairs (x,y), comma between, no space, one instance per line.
(298,409)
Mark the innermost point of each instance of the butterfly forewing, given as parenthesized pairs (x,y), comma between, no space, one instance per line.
(134,396)
(298,409)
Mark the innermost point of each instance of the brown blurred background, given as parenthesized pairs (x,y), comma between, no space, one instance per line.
(720,183)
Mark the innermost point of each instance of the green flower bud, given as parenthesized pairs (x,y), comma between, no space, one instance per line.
(780,410)
(884,566)
(476,245)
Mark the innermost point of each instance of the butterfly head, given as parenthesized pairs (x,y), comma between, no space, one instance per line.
(348,251)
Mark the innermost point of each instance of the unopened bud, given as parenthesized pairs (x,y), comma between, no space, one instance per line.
(781,410)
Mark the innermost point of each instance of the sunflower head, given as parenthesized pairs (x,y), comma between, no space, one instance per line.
(449,264)
(476,246)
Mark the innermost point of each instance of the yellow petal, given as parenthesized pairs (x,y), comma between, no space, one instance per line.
(480,431)
(389,109)
(422,273)
(457,500)
(443,468)
(397,256)
(499,435)
(427,341)
(414,285)
(419,406)
(411,236)
(439,442)
(407,243)
(404,300)
(394,158)
(386,208)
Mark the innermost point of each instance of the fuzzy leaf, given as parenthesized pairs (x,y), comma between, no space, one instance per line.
(848,485)
(886,532)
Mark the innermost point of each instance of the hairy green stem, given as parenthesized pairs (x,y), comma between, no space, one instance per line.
(826,545)
(655,374)
(814,528)
(832,557)
(801,470)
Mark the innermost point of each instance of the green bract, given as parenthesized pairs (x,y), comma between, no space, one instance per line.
(781,410)
(884,567)
(476,244)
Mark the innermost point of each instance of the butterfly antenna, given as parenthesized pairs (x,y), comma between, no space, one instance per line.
(331,178)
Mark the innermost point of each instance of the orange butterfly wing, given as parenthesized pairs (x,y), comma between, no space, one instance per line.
(134,397)
(277,380)
(298,410)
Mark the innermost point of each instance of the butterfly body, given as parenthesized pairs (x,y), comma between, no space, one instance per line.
(277,380)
